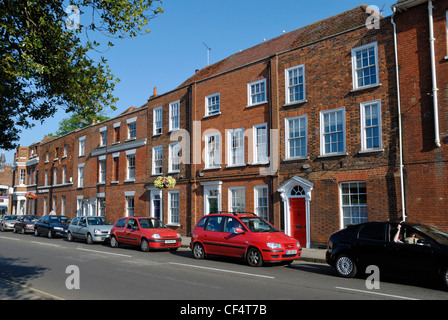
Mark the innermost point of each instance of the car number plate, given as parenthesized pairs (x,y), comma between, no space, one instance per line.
(289,252)
(170,241)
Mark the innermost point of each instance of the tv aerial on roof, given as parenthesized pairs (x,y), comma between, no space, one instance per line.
(208,53)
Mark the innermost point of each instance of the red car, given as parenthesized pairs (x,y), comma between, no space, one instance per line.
(146,232)
(243,235)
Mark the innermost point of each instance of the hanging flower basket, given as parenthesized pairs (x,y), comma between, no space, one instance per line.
(31,196)
(165,182)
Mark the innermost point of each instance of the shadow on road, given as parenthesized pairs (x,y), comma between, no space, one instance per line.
(14,277)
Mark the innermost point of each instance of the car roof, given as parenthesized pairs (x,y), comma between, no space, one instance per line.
(234,214)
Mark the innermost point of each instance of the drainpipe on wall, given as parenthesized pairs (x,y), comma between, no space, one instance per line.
(434,76)
(403,203)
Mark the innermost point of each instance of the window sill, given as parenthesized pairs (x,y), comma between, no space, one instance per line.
(256,104)
(343,154)
(295,103)
(236,165)
(211,115)
(211,168)
(371,151)
(373,86)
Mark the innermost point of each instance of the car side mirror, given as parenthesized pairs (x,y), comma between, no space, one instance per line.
(239,230)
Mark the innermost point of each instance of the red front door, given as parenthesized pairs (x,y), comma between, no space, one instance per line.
(297,211)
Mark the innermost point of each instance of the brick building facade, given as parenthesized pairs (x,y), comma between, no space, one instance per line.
(302,129)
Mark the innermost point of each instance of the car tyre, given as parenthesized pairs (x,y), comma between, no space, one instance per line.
(50,234)
(113,242)
(144,245)
(14,230)
(444,277)
(70,237)
(254,258)
(36,232)
(346,266)
(198,251)
(89,239)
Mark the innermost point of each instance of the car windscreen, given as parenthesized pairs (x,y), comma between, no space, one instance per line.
(10,218)
(98,221)
(147,223)
(59,219)
(256,224)
(433,233)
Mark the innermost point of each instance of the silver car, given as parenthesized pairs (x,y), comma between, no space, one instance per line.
(91,229)
(8,222)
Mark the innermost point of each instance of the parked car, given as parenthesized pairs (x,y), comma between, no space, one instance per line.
(8,222)
(146,232)
(90,229)
(407,248)
(51,226)
(25,224)
(243,235)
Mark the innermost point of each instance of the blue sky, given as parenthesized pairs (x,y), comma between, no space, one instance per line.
(175,48)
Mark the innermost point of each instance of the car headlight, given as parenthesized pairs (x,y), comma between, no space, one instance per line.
(156,236)
(58,228)
(178,235)
(274,245)
(96,230)
(298,244)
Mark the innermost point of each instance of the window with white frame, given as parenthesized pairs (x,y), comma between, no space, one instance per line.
(46,177)
(129,205)
(235,147)
(260,143)
(365,66)
(131,166)
(261,201)
(82,145)
(103,136)
(102,169)
(371,126)
(81,175)
(101,200)
(157,121)
(174,157)
(174,116)
(354,202)
(63,202)
(296,137)
(157,160)
(132,128)
(256,92)
(237,201)
(332,132)
(65,150)
(64,174)
(173,207)
(212,150)
(212,104)
(55,176)
(295,84)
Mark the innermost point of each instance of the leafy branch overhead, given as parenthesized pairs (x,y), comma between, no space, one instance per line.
(45,66)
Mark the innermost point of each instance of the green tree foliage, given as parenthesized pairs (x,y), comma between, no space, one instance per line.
(45,66)
(74,122)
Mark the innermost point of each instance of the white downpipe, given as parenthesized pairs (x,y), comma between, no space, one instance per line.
(403,203)
(435,90)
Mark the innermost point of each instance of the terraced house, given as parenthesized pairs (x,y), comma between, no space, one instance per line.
(303,130)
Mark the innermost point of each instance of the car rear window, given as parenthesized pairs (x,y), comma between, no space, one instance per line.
(374,231)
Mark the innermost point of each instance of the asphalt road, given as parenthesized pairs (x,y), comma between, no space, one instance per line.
(40,268)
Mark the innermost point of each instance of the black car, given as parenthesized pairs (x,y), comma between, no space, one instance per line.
(392,247)
(25,224)
(51,226)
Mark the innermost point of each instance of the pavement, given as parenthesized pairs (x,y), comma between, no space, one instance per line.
(308,255)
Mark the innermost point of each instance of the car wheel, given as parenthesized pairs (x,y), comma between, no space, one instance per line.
(50,234)
(14,230)
(198,251)
(254,258)
(89,239)
(144,245)
(23,231)
(346,267)
(113,242)
(36,233)
(444,277)
(69,237)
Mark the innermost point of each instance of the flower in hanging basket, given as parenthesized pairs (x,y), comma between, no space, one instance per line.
(164,182)
(31,196)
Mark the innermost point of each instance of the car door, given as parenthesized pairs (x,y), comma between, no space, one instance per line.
(371,246)
(44,225)
(73,227)
(82,228)
(213,235)
(132,232)
(233,243)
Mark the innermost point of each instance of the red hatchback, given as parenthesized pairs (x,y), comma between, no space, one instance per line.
(146,232)
(243,235)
